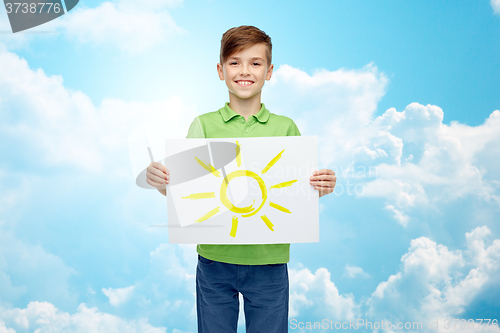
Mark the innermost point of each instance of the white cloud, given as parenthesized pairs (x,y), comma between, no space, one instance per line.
(12,195)
(343,99)
(43,317)
(353,272)
(131,26)
(434,282)
(317,293)
(10,292)
(4,329)
(437,283)
(48,125)
(398,215)
(127,25)
(167,291)
(31,269)
(118,296)
(409,158)
(443,162)
(180,267)
(55,126)
(495,4)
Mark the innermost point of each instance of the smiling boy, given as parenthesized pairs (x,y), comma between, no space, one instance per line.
(245,73)
(258,272)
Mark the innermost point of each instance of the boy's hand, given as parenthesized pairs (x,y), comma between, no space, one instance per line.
(157,175)
(324,181)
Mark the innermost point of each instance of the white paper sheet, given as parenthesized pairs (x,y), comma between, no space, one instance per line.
(251,207)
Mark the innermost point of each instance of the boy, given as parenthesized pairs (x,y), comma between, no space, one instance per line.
(258,272)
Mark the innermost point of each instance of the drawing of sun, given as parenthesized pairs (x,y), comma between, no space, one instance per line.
(243,211)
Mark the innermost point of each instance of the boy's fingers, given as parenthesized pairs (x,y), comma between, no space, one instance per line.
(160,167)
(324,188)
(155,173)
(323,172)
(324,178)
(156,176)
(152,183)
(157,179)
(323,185)
(164,169)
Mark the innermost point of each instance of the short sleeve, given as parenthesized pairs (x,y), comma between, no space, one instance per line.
(293,130)
(196,130)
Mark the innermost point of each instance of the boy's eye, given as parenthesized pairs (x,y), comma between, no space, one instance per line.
(233,63)
(256,64)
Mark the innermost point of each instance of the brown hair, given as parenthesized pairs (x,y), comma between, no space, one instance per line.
(240,38)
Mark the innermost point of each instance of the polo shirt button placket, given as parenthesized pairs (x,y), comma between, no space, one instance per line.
(250,122)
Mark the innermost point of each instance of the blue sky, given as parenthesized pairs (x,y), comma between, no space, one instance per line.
(406,90)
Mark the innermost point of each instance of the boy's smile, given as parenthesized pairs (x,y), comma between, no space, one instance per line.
(244,83)
(246,71)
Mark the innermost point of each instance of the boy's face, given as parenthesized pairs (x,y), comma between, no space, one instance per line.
(246,71)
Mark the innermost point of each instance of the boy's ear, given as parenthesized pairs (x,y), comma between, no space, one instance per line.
(269,72)
(220,71)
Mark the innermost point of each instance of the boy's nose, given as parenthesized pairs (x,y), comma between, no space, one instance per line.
(244,71)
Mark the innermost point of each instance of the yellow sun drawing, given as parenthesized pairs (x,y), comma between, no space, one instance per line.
(243,211)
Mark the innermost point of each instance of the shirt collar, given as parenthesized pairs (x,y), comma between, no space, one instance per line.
(228,113)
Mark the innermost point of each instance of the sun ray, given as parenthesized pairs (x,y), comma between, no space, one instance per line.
(238,154)
(267,222)
(278,207)
(208,215)
(234,227)
(284,184)
(273,161)
(208,167)
(202,195)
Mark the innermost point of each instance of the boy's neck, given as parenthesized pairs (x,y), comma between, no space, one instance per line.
(245,107)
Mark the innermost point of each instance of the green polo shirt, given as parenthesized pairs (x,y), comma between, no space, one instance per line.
(225,123)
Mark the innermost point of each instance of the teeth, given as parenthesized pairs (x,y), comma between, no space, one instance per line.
(245,83)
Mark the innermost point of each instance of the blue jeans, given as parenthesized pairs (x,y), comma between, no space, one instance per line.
(265,294)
